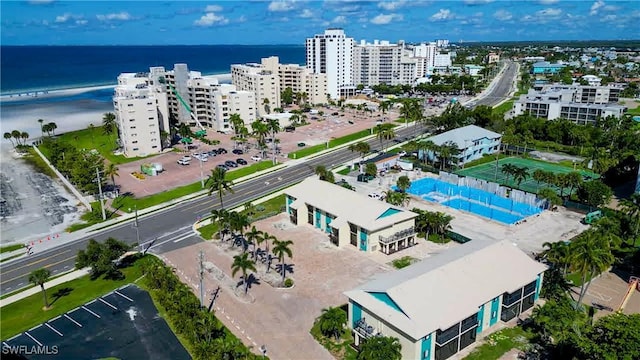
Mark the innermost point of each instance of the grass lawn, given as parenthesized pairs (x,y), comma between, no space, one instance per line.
(125,203)
(340,349)
(38,163)
(27,313)
(635,111)
(332,143)
(503,108)
(500,342)
(345,171)
(92,217)
(268,208)
(10,248)
(93,139)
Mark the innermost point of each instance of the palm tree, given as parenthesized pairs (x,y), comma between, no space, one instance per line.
(112,171)
(384,106)
(631,208)
(7,136)
(589,257)
(332,322)
(280,249)
(428,146)
(520,174)
(41,121)
(508,170)
(324,174)
(47,128)
(252,237)
(403,183)
(39,277)
(24,136)
(16,134)
(384,133)
(539,176)
(52,128)
(557,254)
(273,126)
(243,264)
(260,132)
(265,102)
(217,182)
(380,348)
(266,237)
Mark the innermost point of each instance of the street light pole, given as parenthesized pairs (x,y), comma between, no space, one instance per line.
(135,207)
(201,173)
(104,215)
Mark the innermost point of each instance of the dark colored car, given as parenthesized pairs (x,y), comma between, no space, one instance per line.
(212,153)
(221,151)
(290,129)
(222,166)
(231,164)
(241,161)
(237,151)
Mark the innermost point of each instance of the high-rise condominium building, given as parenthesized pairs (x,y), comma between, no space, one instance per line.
(260,79)
(304,81)
(381,62)
(427,57)
(331,53)
(142,113)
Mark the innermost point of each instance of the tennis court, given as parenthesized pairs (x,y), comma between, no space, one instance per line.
(488,172)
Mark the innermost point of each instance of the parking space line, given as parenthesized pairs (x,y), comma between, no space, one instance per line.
(55,318)
(14,336)
(106,303)
(124,296)
(91,312)
(54,330)
(90,302)
(73,321)
(32,338)
(35,327)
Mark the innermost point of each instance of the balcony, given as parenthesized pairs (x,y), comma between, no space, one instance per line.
(397,236)
(365,330)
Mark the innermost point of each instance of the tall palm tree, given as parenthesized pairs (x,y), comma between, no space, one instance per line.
(243,264)
(52,128)
(508,170)
(385,105)
(260,132)
(273,126)
(520,174)
(631,208)
(589,257)
(403,183)
(280,249)
(7,136)
(332,322)
(24,136)
(41,122)
(428,146)
(266,237)
(16,134)
(539,176)
(557,254)
(217,182)
(252,237)
(47,128)
(111,170)
(38,278)
(384,133)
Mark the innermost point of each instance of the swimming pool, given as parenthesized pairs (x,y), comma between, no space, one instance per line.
(475,201)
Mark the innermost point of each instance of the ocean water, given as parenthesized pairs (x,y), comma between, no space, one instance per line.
(42,68)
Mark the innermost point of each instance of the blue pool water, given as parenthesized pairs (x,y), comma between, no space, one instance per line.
(472,200)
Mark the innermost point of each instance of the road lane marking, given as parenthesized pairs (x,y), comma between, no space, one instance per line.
(51,327)
(32,338)
(191,233)
(106,303)
(124,296)
(183,238)
(46,266)
(73,321)
(91,312)
(34,262)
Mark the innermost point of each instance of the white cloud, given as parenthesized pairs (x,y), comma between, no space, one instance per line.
(595,7)
(210,19)
(306,14)
(281,6)
(63,18)
(442,14)
(548,2)
(609,18)
(477,2)
(81,22)
(340,19)
(391,5)
(385,19)
(549,12)
(122,16)
(40,2)
(213,8)
(503,15)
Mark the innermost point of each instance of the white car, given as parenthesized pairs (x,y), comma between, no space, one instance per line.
(375,195)
(256,158)
(201,157)
(402,153)
(186,158)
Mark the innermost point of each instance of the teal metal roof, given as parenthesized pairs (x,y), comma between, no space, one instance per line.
(388,212)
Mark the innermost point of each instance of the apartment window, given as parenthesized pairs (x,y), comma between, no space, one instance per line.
(136,149)
(152,133)
(509,313)
(527,302)
(151,118)
(131,120)
(134,142)
(529,288)
(467,339)
(133,127)
(129,105)
(470,322)
(154,147)
(446,335)
(509,299)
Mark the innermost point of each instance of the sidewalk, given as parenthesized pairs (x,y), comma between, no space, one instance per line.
(36,289)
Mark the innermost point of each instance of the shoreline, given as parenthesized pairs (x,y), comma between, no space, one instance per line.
(26,95)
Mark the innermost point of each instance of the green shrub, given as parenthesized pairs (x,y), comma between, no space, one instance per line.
(288,283)
(260,208)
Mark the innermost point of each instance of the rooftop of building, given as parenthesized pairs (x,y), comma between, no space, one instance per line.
(547,64)
(440,291)
(461,136)
(348,206)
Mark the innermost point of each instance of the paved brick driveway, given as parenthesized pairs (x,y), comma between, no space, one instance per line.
(281,319)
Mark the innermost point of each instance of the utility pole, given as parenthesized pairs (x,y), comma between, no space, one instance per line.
(201,173)
(201,260)
(104,215)
(135,207)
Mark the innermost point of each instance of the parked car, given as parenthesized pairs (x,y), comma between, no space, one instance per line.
(221,151)
(230,163)
(183,162)
(201,157)
(402,153)
(237,151)
(290,129)
(241,161)
(222,166)
(256,158)
(335,113)
(212,153)
(375,195)
(186,158)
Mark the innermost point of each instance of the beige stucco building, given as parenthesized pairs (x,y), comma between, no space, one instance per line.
(349,218)
(261,79)
(439,306)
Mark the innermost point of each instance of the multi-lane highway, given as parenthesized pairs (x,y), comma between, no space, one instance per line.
(171,228)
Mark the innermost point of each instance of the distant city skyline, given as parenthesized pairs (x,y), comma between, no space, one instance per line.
(47,22)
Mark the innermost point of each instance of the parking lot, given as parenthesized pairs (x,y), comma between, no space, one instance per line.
(174,174)
(123,324)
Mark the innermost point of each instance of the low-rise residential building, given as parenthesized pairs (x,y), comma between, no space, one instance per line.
(349,218)
(473,70)
(142,114)
(545,67)
(592,80)
(587,94)
(384,161)
(472,141)
(492,58)
(441,305)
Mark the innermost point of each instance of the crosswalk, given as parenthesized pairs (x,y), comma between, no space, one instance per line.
(166,241)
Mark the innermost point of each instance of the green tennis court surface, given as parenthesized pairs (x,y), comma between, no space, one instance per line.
(488,172)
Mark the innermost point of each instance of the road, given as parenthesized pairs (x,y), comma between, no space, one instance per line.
(171,228)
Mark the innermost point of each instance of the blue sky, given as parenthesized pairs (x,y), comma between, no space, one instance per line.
(290,22)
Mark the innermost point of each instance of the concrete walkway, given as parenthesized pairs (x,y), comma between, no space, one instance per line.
(36,289)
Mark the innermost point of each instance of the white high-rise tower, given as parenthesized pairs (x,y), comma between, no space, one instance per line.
(331,53)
